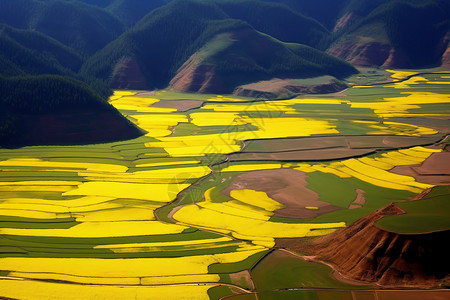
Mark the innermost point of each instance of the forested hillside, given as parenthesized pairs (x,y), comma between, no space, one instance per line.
(82,27)
(244,55)
(398,33)
(157,59)
(33,109)
(31,52)
(207,45)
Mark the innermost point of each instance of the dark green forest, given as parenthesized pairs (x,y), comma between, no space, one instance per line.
(24,97)
(62,55)
(48,94)
(197,22)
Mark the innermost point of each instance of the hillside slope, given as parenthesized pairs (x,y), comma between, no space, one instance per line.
(245,55)
(83,27)
(278,21)
(49,109)
(130,12)
(397,34)
(363,251)
(136,61)
(337,14)
(30,52)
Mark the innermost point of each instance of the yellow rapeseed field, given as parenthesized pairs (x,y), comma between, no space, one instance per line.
(403,106)
(397,74)
(259,231)
(375,169)
(36,162)
(32,290)
(250,167)
(136,267)
(165,244)
(101,229)
(120,94)
(256,198)
(154,192)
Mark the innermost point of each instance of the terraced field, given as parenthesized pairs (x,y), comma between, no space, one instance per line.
(194,208)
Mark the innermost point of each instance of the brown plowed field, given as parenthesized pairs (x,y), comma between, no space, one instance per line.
(288,187)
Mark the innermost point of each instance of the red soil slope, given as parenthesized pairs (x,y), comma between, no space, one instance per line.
(128,75)
(364,252)
(196,77)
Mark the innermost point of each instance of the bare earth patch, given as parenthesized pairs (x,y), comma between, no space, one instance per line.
(179,105)
(277,87)
(324,148)
(359,201)
(412,295)
(288,187)
(434,170)
(149,93)
(320,154)
(243,278)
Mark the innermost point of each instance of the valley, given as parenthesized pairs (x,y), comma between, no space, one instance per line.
(222,189)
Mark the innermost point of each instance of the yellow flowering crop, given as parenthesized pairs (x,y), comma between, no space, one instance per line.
(158,125)
(256,198)
(101,229)
(250,167)
(31,290)
(401,106)
(400,74)
(35,162)
(136,267)
(80,202)
(119,214)
(120,94)
(169,163)
(220,98)
(250,229)
(216,118)
(164,244)
(375,170)
(24,213)
(154,192)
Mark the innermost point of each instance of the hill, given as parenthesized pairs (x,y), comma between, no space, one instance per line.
(30,52)
(83,27)
(130,12)
(393,260)
(333,14)
(50,109)
(52,38)
(99,3)
(278,21)
(136,61)
(245,55)
(397,34)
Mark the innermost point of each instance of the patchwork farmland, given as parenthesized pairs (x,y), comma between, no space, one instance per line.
(222,189)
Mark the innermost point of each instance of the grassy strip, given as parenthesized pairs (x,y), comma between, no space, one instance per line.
(218,292)
(245,264)
(196,235)
(106,254)
(423,216)
(281,270)
(341,192)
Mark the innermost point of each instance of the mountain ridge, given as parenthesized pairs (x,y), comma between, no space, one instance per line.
(199,23)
